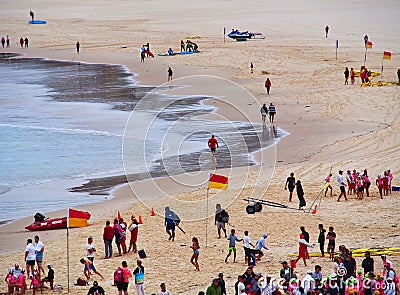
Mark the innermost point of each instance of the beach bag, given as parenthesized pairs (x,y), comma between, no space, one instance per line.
(119,275)
(81,282)
(225,216)
(139,278)
(142,254)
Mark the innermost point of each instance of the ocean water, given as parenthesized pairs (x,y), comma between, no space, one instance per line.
(63,123)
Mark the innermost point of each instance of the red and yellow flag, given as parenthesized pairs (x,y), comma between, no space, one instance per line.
(218,182)
(76,218)
(369,45)
(387,55)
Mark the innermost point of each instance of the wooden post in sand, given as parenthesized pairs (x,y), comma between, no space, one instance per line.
(337,46)
(224,33)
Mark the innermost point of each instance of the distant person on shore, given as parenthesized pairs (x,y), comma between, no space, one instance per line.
(147,49)
(195,256)
(142,55)
(39,246)
(182,46)
(251,67)
(88,266)
(170,51)
(342,186)
(232,238)
(321,239)
(328,184)
(352,76)
(21,42)
(268,85)
(134,229)
(346,76)
(290,185)
(213,145)
(8,41)
(264,112)
(398,73)
(272,112)
(171,220)
(26,42)
(326,31)
(32,15)
(3,41)
(78,46)
(365,40)
(300,195)
(108,236)
(169,74)
(220,220)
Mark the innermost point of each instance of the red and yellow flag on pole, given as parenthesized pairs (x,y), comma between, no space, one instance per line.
(387,55)
(218,182)
(369,45)
(76,218)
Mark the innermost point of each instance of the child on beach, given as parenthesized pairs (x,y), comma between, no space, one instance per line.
(331,237)
(328,184)
(195,256)
(232,245)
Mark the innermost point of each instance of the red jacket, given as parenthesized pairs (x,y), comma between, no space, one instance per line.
(108,233)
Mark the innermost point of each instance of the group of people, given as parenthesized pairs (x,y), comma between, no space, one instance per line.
(268,111)
(5,41)
(23,42)
(292,184)
(190,46)
(359,183)
(16,279)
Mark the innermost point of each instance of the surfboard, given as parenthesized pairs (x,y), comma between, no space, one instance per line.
(37,22)
(373,74)
(149,53)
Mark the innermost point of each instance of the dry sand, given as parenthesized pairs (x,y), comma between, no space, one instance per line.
(330,125)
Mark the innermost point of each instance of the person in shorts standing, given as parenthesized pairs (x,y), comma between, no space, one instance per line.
(39,246)
(30,256)
(90,249)
(232,238)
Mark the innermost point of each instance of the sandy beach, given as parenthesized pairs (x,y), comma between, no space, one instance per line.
(330,126)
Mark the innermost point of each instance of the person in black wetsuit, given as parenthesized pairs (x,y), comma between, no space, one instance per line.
(290,184)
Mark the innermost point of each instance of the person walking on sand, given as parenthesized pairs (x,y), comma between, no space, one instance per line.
(232,238)
(352,76)
(26,42)
(300,195)
(328,184)
(171,220)
(139,278)
(326,31)
(21,42)
(32,15)
(272,112)
(8,41)
(169,74)
(220,220)
(213,145)
(88,266)
(346,76)
(264,112)
(303,249)
(268,85)
(290,185)
(3,41)
(342,186)
(195,256)
(78,46)
(251,67)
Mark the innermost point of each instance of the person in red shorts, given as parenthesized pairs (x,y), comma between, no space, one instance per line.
(213,145)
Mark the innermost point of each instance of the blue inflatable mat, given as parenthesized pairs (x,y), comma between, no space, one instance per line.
(37,22)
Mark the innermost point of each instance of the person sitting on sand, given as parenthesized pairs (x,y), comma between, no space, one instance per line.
(49,278)
(170,51)
(88,265)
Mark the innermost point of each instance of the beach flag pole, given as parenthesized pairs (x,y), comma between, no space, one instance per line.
(386,55)
(224,33)
(337,46)
(207,216)
(68,250)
